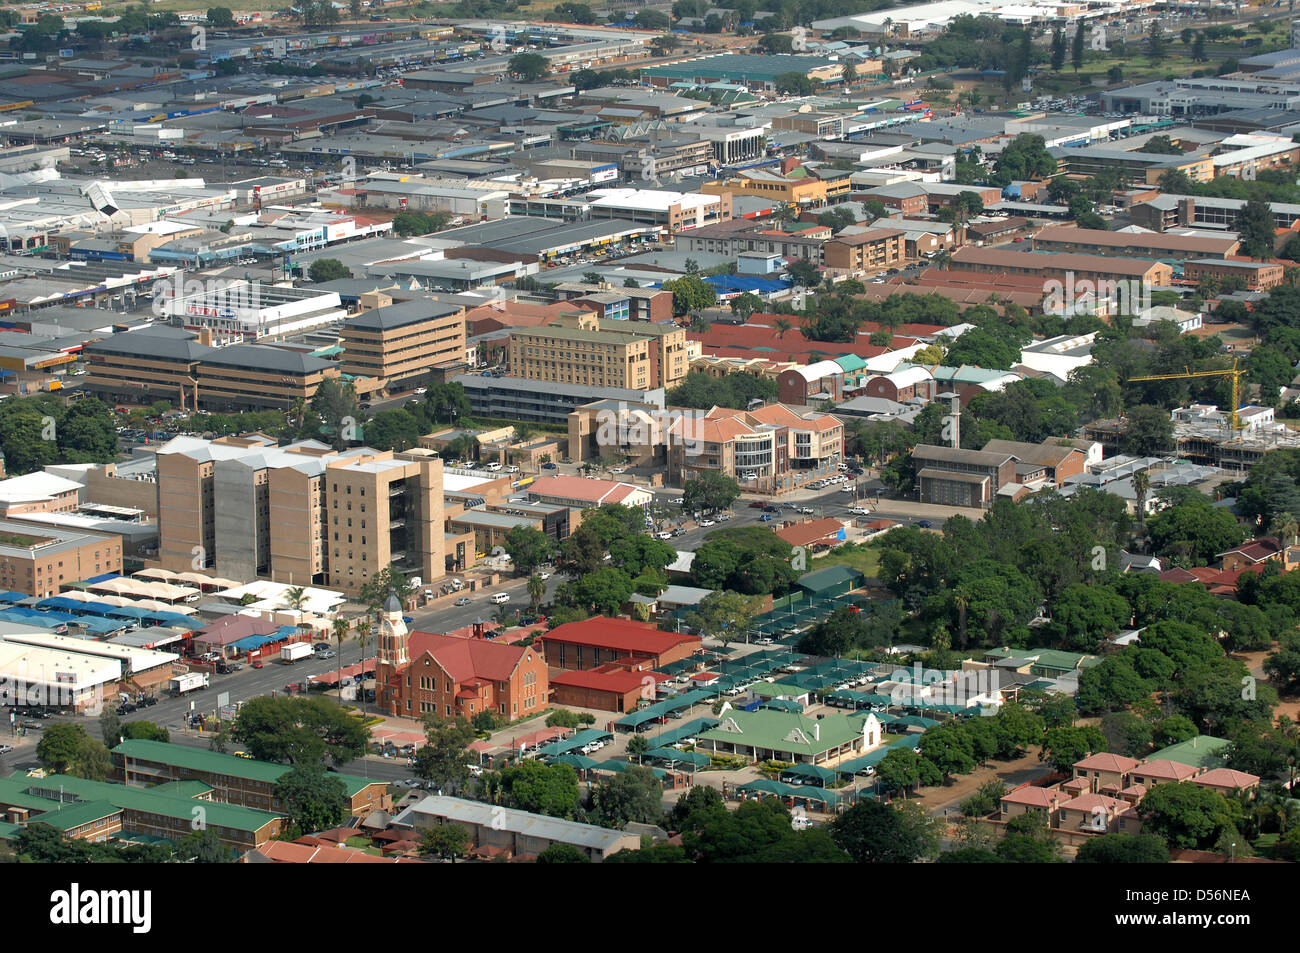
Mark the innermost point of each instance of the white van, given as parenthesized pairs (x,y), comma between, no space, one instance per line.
(501,597)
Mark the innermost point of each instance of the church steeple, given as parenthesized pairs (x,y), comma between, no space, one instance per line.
(393,633)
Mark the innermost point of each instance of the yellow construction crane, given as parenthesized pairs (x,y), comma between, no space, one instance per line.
(1235,372)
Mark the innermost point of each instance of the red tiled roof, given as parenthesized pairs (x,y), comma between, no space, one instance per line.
(582,488)
(1173,770)
(1033,797)
(465,659)
(1090,802)
(620,682)
(283,852)
(813,531)
(1226,778)
(622,634)
(1104,761)
(232,628)
(1257,550)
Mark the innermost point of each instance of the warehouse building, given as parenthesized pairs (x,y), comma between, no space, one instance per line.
(514,834)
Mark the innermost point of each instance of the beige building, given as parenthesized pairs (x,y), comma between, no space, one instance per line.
(303,514)
(40,559)
(768,450)
(163,362)
(582,350)
(399,343)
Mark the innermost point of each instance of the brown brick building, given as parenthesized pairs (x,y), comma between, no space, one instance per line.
(595,642)
(873,250)
(423,673)
(398,344)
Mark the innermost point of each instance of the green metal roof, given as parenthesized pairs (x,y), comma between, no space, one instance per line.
(9,831)
(1203,751)
(573,742)
(581,762)
(782,704)
(820,580)
(190,789)
(668,706)
(146,800)
(784,731)
(810,771)
(68,816)
(672,754)
(851,362)
(618,767)
(214,762)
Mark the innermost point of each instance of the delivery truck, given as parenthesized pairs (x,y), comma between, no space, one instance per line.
(295,652)
(180,684)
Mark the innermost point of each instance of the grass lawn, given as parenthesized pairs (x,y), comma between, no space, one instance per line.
(865,559)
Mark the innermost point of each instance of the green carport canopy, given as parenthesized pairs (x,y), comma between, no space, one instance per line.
(618,767)
(574,742)
(869,760)
(801,770)
(782,704)
(581,762)
(672,755)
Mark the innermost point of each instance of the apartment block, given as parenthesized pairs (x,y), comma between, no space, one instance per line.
(1257,275)
(1066,268)
(398,344)
(585,350)
(864,252)
(302,514)
(1093,241)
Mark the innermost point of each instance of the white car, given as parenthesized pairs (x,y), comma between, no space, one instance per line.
(618,469)
(707,523)
(512,469)
(421,390)
(543,576)
(860,511)
(494,466)
(665,536)
(501,598)
(680,501)
(848,489)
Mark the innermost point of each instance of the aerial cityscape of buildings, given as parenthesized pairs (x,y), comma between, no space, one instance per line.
(845,431)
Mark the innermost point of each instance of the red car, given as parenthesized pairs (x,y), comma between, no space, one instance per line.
(757,505)
(256,663)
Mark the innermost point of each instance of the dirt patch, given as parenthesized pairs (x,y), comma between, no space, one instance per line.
(1014,773)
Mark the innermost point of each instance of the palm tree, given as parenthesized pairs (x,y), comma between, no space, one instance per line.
(781,325)
(536,589)
(341,627)
(296,597)
(1284,528)
(941,259)
(364,628)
